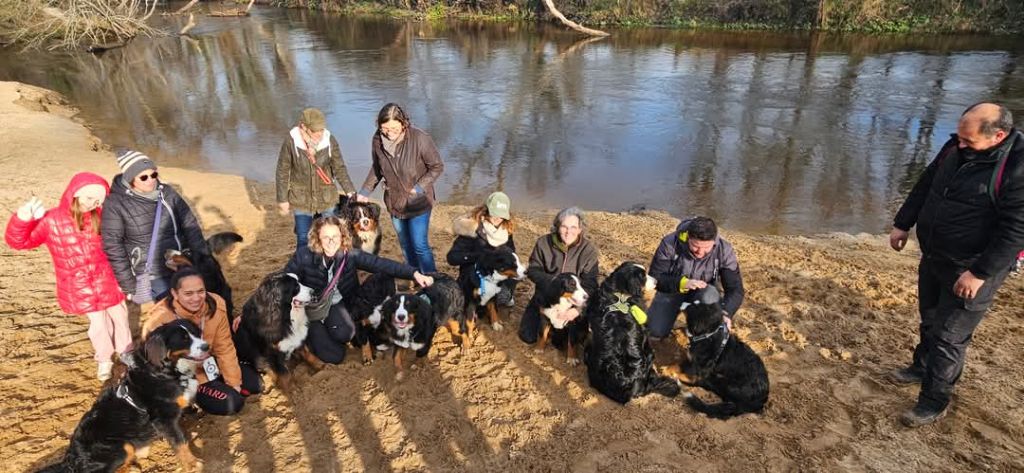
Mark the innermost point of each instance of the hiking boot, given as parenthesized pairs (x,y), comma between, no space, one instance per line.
(908,375)
(919,416)
(104,370)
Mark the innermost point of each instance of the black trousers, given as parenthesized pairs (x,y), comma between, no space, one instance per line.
(216,397)
(328,339)
(947,325)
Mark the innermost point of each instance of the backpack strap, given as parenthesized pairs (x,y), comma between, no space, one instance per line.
(996,182)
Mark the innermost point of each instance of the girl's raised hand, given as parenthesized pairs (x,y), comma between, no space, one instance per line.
(31,210)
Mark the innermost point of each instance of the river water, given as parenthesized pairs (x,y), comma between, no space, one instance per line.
(766,132)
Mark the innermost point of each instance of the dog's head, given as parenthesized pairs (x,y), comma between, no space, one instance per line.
(703,311)
(569,287)
(404,311)
(179,339)
(362,216)
(501,264)
(300,294)
(175,259)
(630,278)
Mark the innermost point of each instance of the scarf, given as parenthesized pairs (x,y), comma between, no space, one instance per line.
(310,145)
(391,146)
(496,236)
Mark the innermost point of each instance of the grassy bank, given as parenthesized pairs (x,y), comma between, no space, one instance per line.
(881,16)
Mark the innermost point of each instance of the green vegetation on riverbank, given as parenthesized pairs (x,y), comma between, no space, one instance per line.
(875,16)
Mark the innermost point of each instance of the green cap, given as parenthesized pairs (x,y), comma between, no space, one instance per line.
(498,205)
(314,119)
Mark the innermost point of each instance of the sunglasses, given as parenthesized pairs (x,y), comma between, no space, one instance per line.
(146,177)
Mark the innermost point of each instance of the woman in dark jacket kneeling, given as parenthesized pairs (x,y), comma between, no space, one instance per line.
(329,250)
(565,250)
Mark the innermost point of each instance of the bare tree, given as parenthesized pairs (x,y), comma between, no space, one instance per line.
(571,24)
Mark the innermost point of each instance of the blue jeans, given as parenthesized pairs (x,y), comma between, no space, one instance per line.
(413,234)
(303,221)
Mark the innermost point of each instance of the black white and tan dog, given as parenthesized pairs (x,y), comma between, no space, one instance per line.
(207,265)
(274,325)
(409,322)
(556,299)
(720,362)
(376,289)
(146,404)
(619,357)
(480,285)
(363,223)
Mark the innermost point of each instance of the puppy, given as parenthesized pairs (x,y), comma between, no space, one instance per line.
(274,325)
(563,293)
(376,289)
(481,285)
(207,265)
(619,358)
(407,323)
(720,362)
(146,404)
(363,223)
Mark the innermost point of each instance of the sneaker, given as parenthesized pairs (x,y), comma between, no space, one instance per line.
(908,375)
(104,370)
(919,416)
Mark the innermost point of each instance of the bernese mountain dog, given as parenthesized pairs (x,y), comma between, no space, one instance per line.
(409,322)
(376,289)
(363,223)
(274,325)
(207,265)
(619,357)
(557,300)
(480,285)
(720,362)
(145,404)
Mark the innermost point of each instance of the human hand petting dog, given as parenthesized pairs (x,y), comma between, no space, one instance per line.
(361,198)
(967,285)
(31,210)
(695,284)
(422,280)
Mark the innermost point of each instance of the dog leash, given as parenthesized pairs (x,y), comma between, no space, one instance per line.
(122,393)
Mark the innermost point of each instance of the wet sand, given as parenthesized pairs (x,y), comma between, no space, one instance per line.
(830,315)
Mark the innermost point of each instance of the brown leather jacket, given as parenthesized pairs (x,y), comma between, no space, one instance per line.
(416,164)
(216,332)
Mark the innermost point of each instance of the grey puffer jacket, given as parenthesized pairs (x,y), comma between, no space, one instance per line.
(127,226)
(672,261)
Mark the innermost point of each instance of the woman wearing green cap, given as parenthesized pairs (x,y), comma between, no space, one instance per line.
(489,226)
(310,173)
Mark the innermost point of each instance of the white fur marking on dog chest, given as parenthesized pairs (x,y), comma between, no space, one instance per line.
(300,327)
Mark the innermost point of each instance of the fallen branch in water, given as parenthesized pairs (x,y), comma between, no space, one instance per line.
(188,26)
(571,24)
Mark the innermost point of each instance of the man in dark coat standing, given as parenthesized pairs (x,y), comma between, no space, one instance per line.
(968,206)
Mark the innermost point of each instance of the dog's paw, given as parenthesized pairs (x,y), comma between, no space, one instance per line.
(367,361)
(572,361)
(399,376)
(538,350)
(688,395)
(497,327)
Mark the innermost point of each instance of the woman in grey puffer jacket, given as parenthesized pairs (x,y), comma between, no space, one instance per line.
(127,228)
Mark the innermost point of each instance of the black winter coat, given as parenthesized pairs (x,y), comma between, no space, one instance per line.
(311,268)
(469,243)
(127,226)
(952,205)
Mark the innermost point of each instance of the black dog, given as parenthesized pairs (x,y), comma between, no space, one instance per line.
(144,405)
(207,265)
(619,358)
(363,223)
(720,362)
(563,293)
(481,285)
(407,322)
(376,289)
(274,325)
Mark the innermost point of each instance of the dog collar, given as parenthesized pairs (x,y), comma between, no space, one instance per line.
(122,393)
(625,307)
(699,338)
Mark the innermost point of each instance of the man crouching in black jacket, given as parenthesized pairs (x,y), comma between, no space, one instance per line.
(690,258)
(968,206)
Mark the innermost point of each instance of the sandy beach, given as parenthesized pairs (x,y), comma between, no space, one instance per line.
(830,315)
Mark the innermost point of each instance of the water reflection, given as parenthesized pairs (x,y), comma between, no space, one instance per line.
(793,133)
